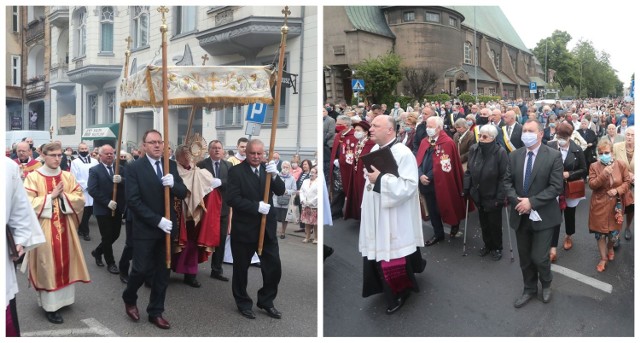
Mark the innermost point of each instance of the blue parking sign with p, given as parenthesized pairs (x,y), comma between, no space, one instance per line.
(257,112)
(533,87)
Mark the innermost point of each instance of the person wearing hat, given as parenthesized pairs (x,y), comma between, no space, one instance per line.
(357,181)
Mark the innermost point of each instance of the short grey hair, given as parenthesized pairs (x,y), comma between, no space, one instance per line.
(438,120)
(489,130)
(345,118)
(461,123)
(100,149)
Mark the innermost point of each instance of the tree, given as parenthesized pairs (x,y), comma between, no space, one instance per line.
(381,75)
(557,55)
(419,82)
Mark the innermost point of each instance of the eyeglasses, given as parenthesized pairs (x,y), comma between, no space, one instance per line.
(55,155)
(485,137)
(155,142)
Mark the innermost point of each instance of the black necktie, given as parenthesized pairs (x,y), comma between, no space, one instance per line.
(527,173)
(217,169)
(158,171)
(257,173)
(110,171)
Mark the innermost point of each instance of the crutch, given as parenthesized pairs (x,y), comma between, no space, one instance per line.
(466,221)
(509,233)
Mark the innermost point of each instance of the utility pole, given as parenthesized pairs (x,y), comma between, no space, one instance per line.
(546,72)
(475,52)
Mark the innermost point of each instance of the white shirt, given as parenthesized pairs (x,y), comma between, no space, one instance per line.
(153,164)
(80,170)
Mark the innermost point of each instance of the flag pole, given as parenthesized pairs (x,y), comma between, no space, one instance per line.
(274,121)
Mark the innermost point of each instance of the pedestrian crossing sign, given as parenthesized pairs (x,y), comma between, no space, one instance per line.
(357,85)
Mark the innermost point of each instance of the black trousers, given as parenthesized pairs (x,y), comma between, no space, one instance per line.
(533,251)
(337,203)
(270,267)
(569,225)
(83,229)
(434,214)
(491,225)
(109,227)
(148,259)
(218,256)
(127,252)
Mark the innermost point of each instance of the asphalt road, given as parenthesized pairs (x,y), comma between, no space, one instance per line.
(207,311)
(472,296)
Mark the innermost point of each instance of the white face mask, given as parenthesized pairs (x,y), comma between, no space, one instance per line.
(359,135)
(562,142)
(529,139)
(431,132)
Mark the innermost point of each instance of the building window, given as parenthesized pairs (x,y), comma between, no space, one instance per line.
(453,22)
(408,16)
(432,17)
(140,26)
(80,34)
(16,66)
(15,22)
(229,117)
(498,61)
(185,19)
(467,53)
(110,110)
(513,63)
(492,91)
(106,29)
(92,109)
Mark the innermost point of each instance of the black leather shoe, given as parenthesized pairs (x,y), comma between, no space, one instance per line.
(271,312)
(248,314)
(113,269)
(484,252)
(220,277)
(627,234)
(86,237)
(98,258)
(546,295)
(191,281)
(523,300)
(454,230)
(160,322)
(124,278)
(399,303)
(433,241)
(496,255)
(54,317)
(328,251)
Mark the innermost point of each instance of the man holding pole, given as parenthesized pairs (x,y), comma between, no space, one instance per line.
(245,194)
(145,194)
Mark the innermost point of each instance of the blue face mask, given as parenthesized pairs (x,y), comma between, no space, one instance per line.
(605,159)
(469,123)
(407,128)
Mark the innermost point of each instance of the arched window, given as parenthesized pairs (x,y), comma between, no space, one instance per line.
(140,26)
(467,52)
(80,32)
(106,29)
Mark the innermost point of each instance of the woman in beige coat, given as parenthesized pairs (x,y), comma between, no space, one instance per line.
(609,181)
(623,152)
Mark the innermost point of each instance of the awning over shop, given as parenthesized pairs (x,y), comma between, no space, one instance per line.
(101,131)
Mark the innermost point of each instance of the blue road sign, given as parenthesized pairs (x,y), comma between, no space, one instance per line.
(533,87)
(257,112)
(357,85)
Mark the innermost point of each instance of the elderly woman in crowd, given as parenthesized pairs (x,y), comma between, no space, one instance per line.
(305,166)
(591,139)
(484,182)
(408,131)
(575,168)
(549,133)
(281,202)
(309,202)
(623,152)
(609,180)
(464,139)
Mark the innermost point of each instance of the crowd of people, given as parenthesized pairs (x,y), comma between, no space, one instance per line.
(211,194)
(532,162)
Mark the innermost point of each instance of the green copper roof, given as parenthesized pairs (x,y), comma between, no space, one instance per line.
(492,22)
(369,19)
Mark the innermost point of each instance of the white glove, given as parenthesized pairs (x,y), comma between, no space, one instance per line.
(112,205)
(336,163)
(167,180)
(271,167)
(165,224)
(117,179)
(264,208)
(216,183)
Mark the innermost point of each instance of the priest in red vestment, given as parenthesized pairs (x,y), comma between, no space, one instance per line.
(342,157)
(441,178)
(25,159)
(357,181)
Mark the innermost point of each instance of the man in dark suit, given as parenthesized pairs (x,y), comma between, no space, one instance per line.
(145,200)
(245,194)
(219,168)
(100,186)
(533,182)
(512,132)
(421,129)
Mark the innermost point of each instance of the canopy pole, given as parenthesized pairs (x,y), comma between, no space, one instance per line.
(274,121)
(165,122)
(127,54)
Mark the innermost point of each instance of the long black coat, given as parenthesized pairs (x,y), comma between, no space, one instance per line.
(484,179)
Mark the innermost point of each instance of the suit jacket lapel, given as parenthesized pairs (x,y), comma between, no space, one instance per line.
(520,159)
(538,163)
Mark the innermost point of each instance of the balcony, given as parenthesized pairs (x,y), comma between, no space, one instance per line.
(35,30)
(36,87)
(93,74)
(59,16)
(58,78)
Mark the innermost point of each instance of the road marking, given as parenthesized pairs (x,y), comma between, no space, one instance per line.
(94,328)
(603,286)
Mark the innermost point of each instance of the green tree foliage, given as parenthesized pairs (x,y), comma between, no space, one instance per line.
(558,56)
(381,75)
